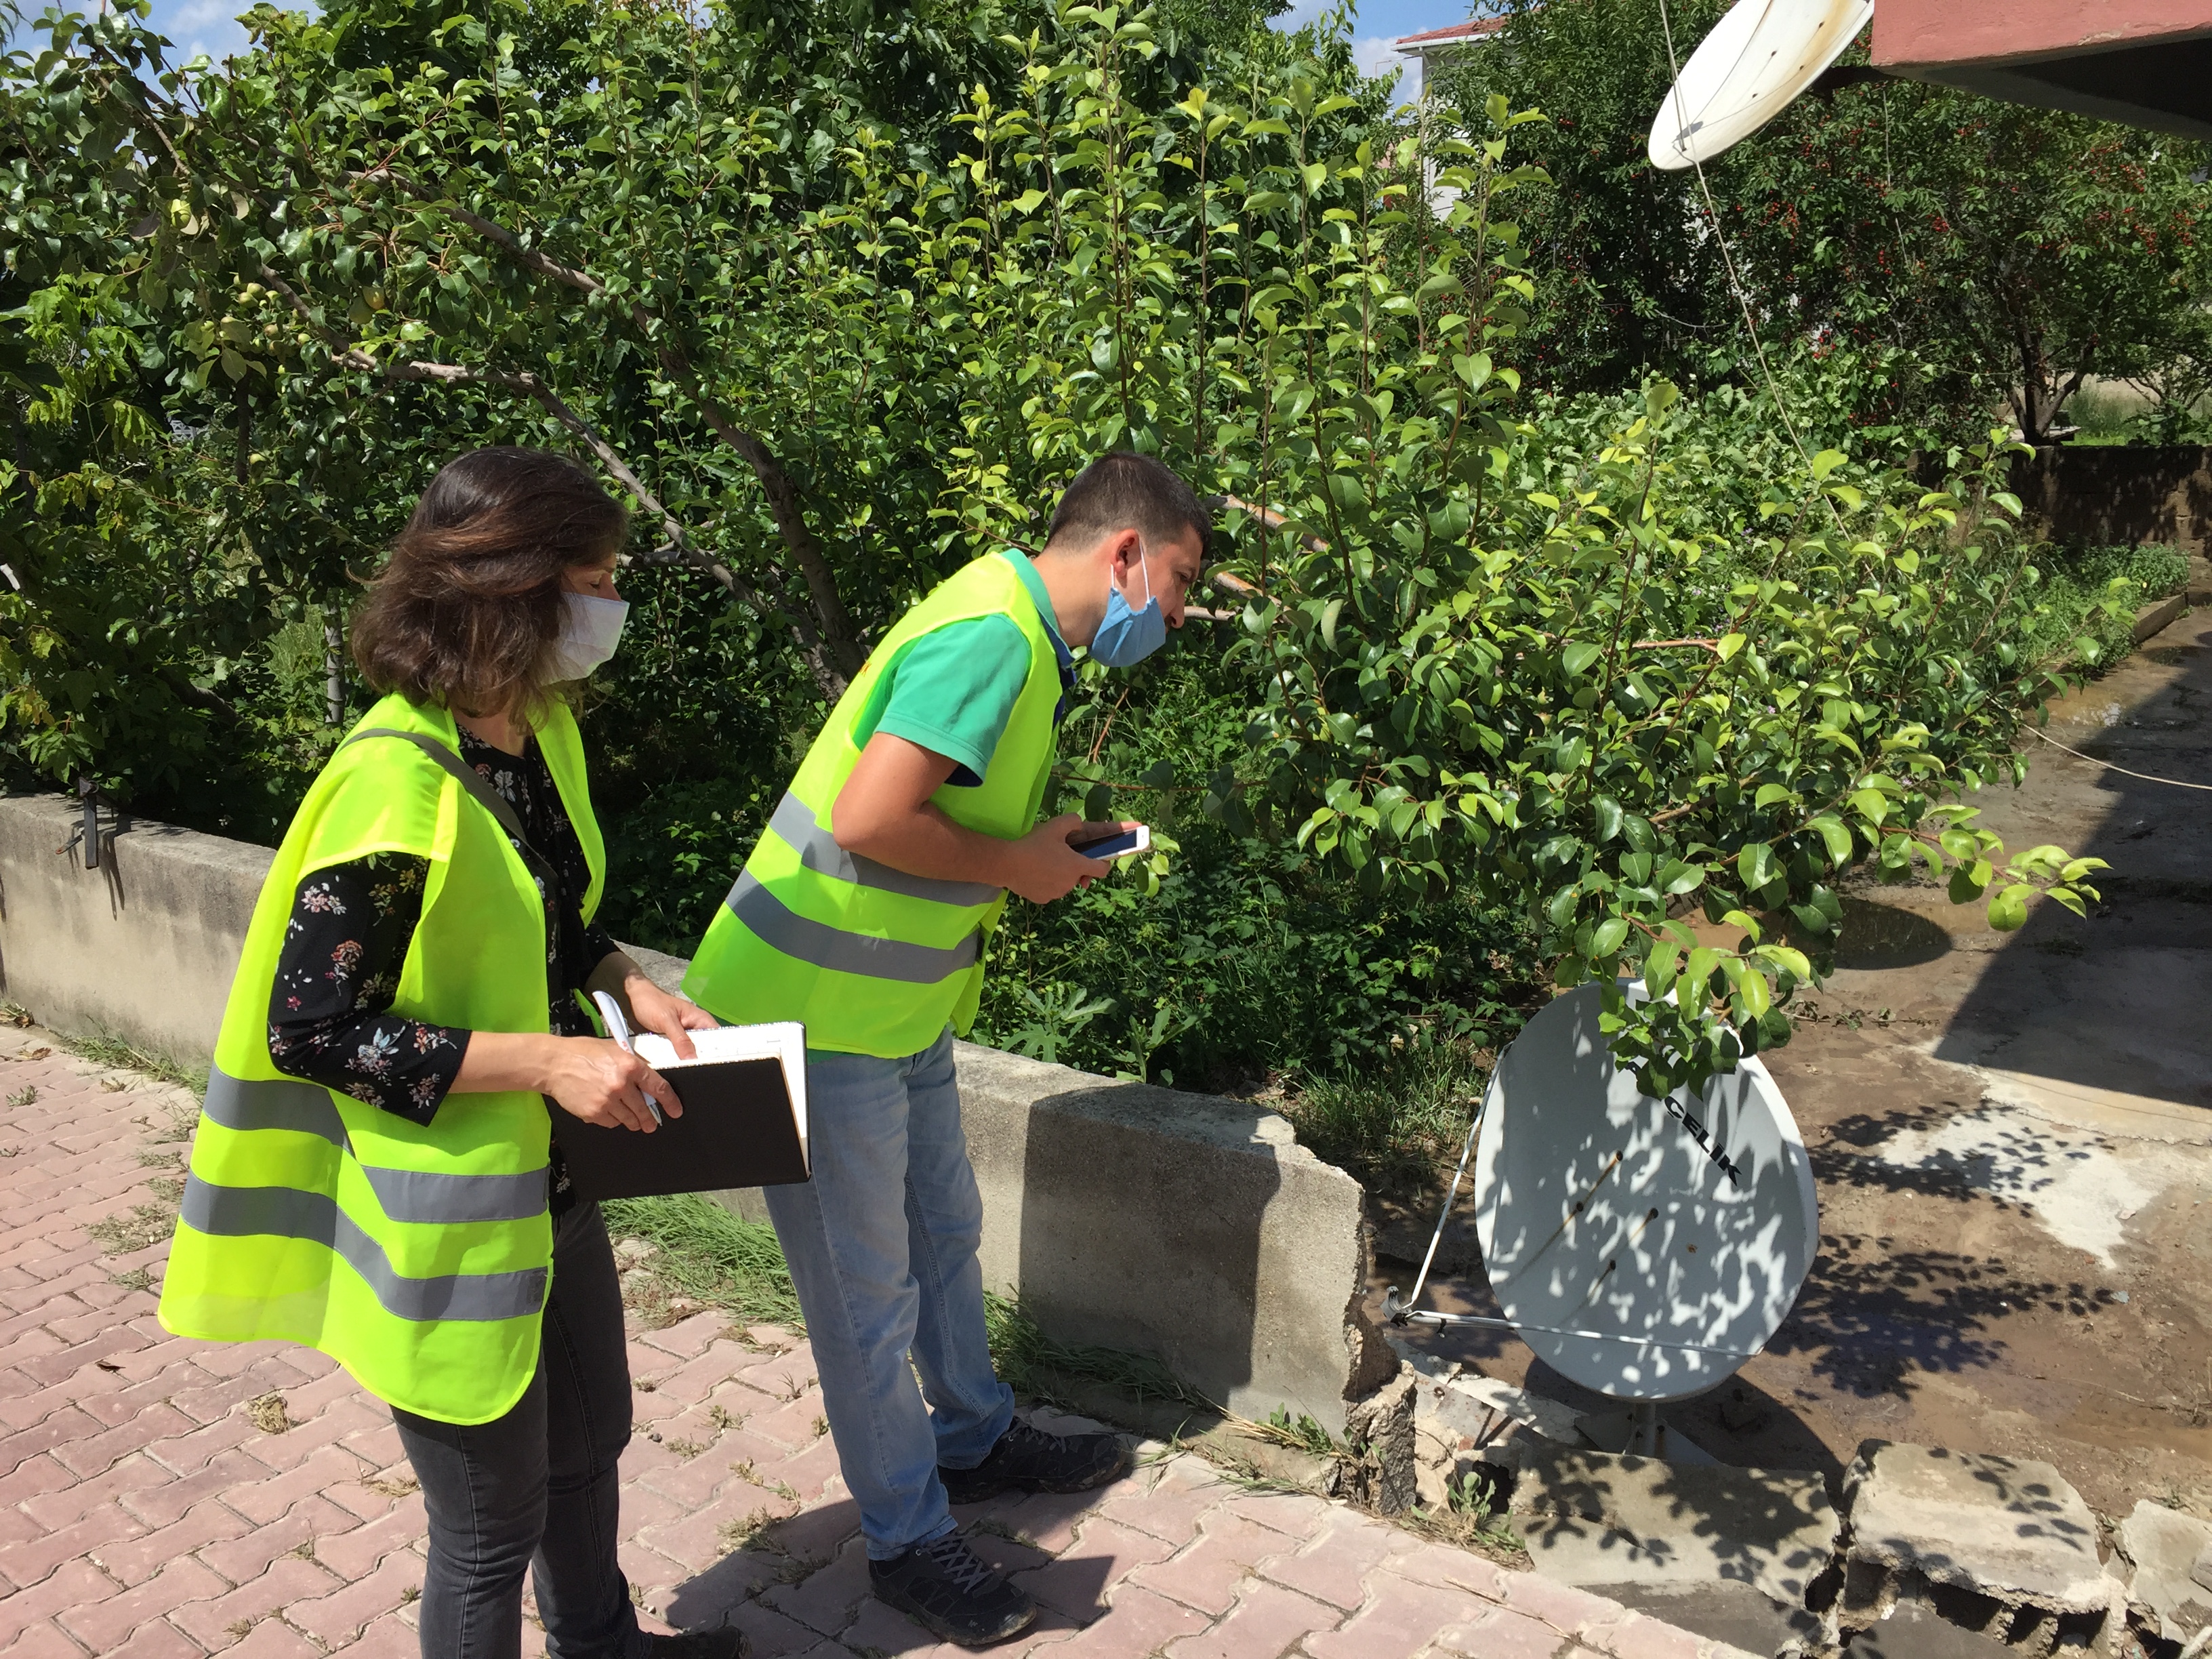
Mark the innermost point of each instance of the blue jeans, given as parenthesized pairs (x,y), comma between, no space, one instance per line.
(882,1245)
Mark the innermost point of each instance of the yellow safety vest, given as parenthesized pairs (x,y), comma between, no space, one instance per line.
(870,960)
(418,1258)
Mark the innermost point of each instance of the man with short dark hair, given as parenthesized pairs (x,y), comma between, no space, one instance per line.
(862,913)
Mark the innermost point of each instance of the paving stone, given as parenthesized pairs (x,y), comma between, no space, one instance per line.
(1167,1499)
(1207,1573)
(288,1579)
(1138,1625)
(1500,1633)
(829,1598)
(1395,1625)
(29,1562)
(103,1623)
(207,1523)
(1265,1621)
(1080,1581)
(1334,1565)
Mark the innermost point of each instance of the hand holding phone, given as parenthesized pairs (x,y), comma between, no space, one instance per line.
(1128,843)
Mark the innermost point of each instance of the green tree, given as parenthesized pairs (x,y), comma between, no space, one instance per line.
(1950,253)
(1488,648)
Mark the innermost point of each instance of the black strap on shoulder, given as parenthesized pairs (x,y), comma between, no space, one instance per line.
(464,775)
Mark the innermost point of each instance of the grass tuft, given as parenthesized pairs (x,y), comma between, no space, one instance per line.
(711,1255)
(106,1048)
(1389,1126)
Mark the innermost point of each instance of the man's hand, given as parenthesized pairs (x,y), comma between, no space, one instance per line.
(1044,865)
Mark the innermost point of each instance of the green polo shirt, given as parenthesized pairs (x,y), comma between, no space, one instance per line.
(952,690)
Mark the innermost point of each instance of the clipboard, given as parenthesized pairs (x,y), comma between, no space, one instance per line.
(744,1121)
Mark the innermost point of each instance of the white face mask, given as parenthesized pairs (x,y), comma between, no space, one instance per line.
(590,629)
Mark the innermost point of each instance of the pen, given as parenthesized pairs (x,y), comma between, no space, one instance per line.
(618,1029)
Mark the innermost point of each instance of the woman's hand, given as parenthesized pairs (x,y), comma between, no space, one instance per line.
(597,1079)
(651,1009)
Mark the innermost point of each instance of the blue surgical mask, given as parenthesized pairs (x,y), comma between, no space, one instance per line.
(1127,637)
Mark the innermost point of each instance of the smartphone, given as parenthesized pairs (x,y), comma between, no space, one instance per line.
(1127,844)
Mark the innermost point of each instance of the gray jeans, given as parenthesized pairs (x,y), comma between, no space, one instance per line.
(537,1487)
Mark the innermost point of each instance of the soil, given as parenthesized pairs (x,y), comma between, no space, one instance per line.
(2012,1137)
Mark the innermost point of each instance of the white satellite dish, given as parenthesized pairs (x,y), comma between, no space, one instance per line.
(1746,72)
(1642,1249)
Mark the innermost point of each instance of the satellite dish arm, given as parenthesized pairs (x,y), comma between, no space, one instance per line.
(1834,78)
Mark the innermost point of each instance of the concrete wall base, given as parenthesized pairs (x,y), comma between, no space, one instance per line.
(1189,1228)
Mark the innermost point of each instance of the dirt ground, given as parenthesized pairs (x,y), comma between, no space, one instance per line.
(2012,1136)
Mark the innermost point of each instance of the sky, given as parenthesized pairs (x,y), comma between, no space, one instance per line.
(209,26)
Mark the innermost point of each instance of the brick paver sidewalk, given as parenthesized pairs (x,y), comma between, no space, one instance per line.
(156,1500)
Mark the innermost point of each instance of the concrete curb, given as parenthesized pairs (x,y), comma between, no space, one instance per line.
(1186,1227)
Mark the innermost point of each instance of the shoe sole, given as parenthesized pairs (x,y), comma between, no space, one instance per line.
(944,1631)
(978,1494)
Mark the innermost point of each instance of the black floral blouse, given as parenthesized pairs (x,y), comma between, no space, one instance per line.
(329,1011)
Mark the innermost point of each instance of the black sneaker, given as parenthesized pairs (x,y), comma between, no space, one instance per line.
(1027,1459)
(697,1644)
(942,1588)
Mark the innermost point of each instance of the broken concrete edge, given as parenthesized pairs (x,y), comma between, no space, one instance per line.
(1187,1228)
(2157,617)
(2167,1556)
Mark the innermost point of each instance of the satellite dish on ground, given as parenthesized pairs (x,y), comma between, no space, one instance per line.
(1645,1249)
(1759,57)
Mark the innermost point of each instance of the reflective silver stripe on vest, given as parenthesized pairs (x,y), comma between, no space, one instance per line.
(817,849)
(412,1195)
(847,953)
(273,1103)
(427,1195)
(287,1212)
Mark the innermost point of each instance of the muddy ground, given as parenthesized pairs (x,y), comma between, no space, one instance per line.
(2012,1136)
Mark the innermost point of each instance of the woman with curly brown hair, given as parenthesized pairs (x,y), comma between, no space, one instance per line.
(374,1174)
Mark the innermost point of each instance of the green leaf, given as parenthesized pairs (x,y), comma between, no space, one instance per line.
(1606,938)
(1580,655)
(1329,613)
(1772,794)
(1755,865)
(1607,810)
(1836,835)
(1870,804)
(1826,462)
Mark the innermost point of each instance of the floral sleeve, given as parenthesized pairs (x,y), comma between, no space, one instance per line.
(336,977)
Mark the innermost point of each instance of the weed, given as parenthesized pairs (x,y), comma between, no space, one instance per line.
(9,1152)
(240,1627)
(998,1529)
(713,1256)
(305,1551)
(821,1427)
(138,1279)
(743,1534)
(784,1490)
(15,1013)
(105,1049)
(746,1472)
(171,1188)
(410,1593)
(161,1157)
(1305,1434)
(113,1085)
(721,1418)
(1032,1363)
(687,1449)
(146,1226)
(645,1384)
(397,1486)
(26,1095)
(1391,1125)
(267,1413)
